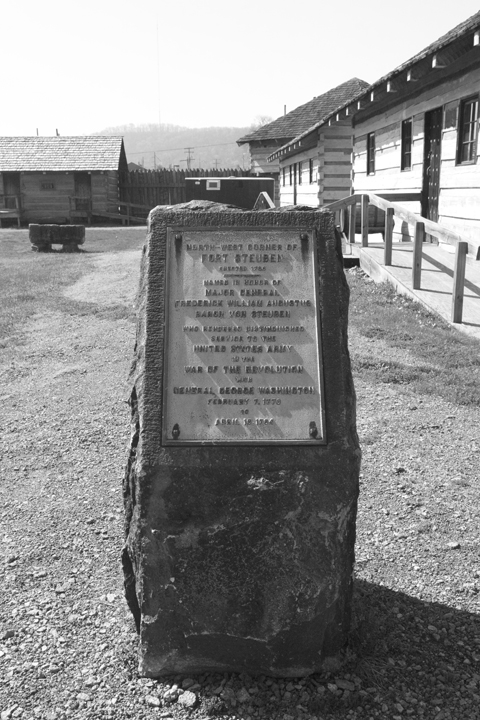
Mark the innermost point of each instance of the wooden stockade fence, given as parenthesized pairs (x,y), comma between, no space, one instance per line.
(147,189)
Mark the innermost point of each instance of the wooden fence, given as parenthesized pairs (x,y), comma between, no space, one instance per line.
(163,187)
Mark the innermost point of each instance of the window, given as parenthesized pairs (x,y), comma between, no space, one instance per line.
(290,169)
(310,171)
(371,153)
(300,170)
(406,162)
(284,175)
(213,184)
(467,131)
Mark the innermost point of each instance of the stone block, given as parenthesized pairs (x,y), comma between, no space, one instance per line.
(239,555)
(42,237)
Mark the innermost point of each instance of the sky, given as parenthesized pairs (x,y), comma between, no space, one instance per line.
(81,67)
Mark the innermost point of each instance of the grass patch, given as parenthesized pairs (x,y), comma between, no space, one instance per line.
(444,361)
(15,243)
(32,282)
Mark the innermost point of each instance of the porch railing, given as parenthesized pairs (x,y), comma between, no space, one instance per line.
(421,226)
(11,207)
(80,206)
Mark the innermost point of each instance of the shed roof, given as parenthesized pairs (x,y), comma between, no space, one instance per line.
(304,116)
(87,152)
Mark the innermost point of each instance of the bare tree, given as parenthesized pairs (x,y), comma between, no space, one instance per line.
(261,120)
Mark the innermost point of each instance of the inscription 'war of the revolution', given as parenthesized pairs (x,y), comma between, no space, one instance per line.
(243,361)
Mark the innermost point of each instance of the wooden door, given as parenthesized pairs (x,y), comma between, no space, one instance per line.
(83,191)
(11,190)
(431,164)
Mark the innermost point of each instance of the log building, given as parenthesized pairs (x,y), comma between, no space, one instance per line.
(268,138)
(414,136)
(60,179)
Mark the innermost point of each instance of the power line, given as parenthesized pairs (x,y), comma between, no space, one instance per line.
(182,148)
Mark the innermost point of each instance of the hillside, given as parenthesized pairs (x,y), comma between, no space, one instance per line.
(166,145)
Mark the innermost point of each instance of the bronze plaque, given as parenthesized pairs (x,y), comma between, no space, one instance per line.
(243,361)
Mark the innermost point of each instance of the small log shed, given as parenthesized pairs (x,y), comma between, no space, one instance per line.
(60,179)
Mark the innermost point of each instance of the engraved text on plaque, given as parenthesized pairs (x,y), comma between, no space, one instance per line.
(243,355)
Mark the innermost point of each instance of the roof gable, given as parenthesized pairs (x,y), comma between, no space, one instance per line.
(303,117)
(43,154)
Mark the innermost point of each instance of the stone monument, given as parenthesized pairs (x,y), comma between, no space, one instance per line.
(242,481)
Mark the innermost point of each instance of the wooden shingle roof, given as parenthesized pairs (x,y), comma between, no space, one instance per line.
(88,152)
(290,125)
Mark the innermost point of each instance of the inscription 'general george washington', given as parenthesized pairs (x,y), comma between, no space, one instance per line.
(254,375)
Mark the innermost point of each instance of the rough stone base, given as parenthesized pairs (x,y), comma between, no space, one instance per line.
(240,558)
(42,237)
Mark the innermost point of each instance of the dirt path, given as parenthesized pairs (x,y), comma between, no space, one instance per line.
(112,282)
(65,425)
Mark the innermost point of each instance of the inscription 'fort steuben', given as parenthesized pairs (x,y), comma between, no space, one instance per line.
(243,283)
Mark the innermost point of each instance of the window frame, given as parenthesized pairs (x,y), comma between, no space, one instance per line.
(472,142)
(310,171)
(406,146)
(371,153)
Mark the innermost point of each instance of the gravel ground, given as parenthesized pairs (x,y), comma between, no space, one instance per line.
(67,641)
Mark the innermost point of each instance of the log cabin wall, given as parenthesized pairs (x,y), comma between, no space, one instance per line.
(45,195)
(259,153)
(295,185)
(335,162)
(105,191)
(459,197)
(323,172)
(112,180)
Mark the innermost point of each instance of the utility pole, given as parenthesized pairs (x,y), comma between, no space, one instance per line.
(216,164)
(158,80)
(189,151)
(154,160)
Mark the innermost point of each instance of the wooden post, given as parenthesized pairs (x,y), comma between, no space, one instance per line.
(364,220)
(389,214)
(459,281)
(352,222)
(417,254)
